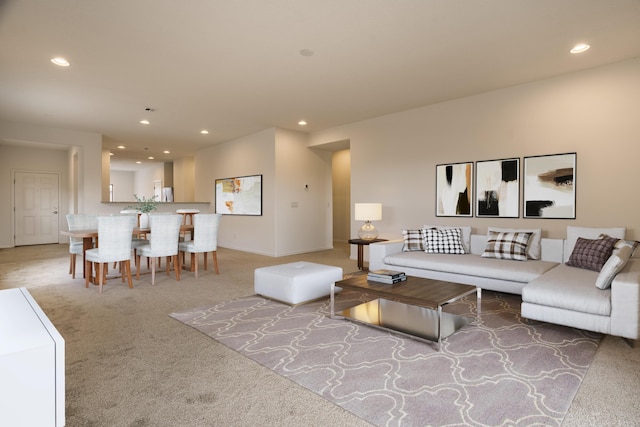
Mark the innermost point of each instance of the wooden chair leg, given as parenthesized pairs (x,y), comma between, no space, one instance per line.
(105,270)
(168,268)
(178,266)
(214,255)
(194,261)
(72,266)
(205,261)
(88,267)
(127,268)
(195,258)
(137,267)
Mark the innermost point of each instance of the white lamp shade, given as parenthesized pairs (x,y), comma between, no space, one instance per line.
(368,211)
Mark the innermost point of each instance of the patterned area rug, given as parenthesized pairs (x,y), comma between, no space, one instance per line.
(498,372)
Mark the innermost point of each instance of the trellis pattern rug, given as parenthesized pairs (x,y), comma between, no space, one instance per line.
(500,371)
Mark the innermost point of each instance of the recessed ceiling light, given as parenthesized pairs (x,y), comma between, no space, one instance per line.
(150,157)
(122,147)
(302,123)
(58,60)
(204,132)
(166,151)
(139,162)
(111,154)
(145,122)
(579,48)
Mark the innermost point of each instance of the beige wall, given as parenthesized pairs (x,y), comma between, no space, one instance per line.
(594,113)
(303,207)
(295,218)
(183,180)
(393,158)
(250,155)
(341,177)
(86,145)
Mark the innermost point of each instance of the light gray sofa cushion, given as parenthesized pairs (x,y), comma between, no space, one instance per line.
(473,265)
(569,288)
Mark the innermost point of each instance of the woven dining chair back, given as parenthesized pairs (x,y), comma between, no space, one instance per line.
(114,245)
(205,229)
(163,242)
(78,222)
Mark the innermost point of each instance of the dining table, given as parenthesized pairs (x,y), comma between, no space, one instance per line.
(89,236)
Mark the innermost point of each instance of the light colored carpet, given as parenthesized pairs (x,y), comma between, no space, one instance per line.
(129,364)
(498,372)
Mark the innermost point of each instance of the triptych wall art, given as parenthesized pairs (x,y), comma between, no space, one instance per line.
(548,183)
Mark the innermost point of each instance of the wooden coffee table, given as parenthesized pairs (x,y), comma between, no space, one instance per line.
(413,307)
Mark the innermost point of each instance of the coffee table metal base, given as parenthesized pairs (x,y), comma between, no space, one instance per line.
(416,321)
(412,320)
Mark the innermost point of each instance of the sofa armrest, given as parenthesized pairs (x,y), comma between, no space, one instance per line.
(625,301)
(378,251)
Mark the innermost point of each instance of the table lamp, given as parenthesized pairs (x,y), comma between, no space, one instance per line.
(368,212)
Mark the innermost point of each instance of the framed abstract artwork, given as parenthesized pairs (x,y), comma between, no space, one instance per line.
(454,189)
(550,186)
(239,195)
(498,188)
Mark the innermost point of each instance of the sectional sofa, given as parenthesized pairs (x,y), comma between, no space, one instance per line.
(552,287)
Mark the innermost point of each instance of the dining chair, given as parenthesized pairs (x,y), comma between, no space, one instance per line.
(205,229)
(114,245)
(76,245)
(163,242)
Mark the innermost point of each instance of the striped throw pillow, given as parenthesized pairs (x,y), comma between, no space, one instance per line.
(507,245)
(413,240)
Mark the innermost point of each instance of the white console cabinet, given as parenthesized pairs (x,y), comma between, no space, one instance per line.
(31,364)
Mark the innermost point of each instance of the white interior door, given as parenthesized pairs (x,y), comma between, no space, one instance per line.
(36,208)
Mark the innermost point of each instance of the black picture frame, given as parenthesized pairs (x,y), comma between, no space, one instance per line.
(550,186)
(497,184)
(454,189)
(241,195)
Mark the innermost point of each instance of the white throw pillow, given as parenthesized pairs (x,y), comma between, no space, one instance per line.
(466,235)
(614,264)
(534,249)
(443,241)
(588,233)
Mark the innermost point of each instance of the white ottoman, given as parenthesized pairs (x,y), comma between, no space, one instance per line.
(297,282)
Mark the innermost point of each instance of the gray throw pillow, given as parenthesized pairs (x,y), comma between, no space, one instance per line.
(591,254)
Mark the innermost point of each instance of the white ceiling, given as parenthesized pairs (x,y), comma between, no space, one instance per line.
(234,66)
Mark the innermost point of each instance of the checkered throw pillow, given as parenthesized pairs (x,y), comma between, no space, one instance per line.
(443,241)
(592,254)
(507,245)
(413,240)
